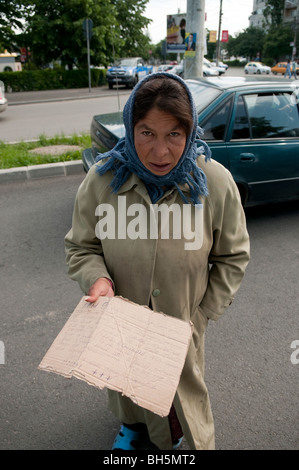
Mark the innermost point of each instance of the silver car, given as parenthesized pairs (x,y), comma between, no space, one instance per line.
(3,100)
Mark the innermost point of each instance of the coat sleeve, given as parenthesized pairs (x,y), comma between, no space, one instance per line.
(84,254)
(229,255)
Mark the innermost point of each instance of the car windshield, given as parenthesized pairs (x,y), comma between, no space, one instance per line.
(126,62)
(203,95)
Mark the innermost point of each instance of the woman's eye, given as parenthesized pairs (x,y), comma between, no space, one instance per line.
(146,133)
(174,134)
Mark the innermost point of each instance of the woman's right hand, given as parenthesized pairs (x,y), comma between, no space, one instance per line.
(102,287)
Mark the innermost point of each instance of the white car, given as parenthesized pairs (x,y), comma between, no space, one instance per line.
(211,66)
(208,70)
(221,65)
(257,67)
(3,100)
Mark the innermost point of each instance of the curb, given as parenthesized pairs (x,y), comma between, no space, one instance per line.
(34,172)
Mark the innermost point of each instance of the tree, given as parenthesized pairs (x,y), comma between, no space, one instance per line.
(11,14)
(247,43)
(273,12)
(55,31)
(129,36)
(277,42)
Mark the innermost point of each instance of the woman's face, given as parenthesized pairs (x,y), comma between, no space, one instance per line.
(159,141)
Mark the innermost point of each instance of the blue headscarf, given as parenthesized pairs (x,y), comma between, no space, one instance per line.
(123,159)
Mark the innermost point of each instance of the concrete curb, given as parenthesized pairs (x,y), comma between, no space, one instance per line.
(33,172)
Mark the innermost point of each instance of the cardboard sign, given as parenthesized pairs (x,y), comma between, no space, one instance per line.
(123,346)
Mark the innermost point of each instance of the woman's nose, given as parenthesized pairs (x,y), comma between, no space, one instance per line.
(160,147)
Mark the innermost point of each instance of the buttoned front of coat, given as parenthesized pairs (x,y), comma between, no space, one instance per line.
(152,266)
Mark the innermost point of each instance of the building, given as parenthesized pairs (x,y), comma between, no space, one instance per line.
(257,18)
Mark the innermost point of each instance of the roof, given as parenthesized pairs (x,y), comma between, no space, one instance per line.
(226,83)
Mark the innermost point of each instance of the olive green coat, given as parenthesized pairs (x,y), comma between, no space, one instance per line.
(194,285)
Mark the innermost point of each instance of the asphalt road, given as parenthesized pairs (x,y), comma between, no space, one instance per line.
(252,380)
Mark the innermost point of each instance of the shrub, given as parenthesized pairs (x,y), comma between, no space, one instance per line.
(34,80)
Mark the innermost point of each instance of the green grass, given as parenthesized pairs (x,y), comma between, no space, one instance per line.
(18,154)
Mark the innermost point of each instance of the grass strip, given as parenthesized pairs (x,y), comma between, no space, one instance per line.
(18,154)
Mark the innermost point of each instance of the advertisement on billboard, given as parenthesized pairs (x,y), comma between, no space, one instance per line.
(176,33)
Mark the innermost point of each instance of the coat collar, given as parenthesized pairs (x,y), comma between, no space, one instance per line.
(134,182)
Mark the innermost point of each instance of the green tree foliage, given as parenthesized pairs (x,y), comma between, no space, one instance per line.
(11,14)
(54,31)
(273,12)
(129,37)
(277,42)
(247,43)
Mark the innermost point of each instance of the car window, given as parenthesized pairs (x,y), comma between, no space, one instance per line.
(214,126)
(241,124)
(203,95)
(266,115)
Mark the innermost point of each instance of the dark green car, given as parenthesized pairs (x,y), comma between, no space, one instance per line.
(251,126)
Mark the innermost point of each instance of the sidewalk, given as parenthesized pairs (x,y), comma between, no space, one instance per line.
(29,97)
(32,172)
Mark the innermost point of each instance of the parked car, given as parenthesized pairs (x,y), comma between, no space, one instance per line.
(251,126)
(3,100)
(221,65)
(127,72)
(256,67)
(164,67)
(281,67)
(208,71)
(211,65)
(178,70)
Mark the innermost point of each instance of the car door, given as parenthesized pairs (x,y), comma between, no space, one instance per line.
(263,145)
(215,127)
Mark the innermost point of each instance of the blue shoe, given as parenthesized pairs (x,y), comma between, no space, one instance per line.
(177,443)
(125,439)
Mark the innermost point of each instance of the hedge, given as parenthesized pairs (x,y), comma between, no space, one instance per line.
(34,80)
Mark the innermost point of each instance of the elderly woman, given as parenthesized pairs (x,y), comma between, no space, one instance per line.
(161,161)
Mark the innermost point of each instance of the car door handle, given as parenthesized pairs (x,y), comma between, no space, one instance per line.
(247,157)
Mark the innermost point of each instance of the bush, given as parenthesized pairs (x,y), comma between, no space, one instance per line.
(34,80)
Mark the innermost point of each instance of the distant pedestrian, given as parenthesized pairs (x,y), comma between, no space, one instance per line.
(288,70)
(294,69)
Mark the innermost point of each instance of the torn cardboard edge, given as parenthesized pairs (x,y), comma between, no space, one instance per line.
(125,347)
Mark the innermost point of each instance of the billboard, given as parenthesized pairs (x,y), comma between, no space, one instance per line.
(176,33)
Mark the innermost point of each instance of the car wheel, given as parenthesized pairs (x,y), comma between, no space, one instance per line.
(110,85)
(135,81)
(258,71)
(275,73)
(246,71)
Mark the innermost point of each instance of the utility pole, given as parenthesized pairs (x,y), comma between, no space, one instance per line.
(195,24)
(219,34)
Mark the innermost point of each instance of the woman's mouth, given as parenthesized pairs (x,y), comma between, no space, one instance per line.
(160,167)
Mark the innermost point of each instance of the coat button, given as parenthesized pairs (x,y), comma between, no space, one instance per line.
(156,292)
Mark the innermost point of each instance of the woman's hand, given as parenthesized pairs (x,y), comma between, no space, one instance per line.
(102,287)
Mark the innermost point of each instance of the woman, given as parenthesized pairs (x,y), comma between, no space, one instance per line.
(193,276)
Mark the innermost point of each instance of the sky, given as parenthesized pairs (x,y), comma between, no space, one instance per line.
(235,15)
